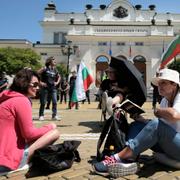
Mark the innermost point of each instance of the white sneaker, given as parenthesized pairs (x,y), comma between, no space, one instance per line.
(56,118)
(41,118)
(123,169)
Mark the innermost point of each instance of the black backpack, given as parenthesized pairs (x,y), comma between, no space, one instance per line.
(54,158)
(114,130)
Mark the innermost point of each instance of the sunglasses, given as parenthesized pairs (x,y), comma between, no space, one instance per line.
(34,84)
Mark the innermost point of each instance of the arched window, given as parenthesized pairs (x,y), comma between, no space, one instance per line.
(139,58)
(140,63)
(102,59)
(101,66)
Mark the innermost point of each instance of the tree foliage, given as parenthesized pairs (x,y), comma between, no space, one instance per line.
(14,59)
(62,69)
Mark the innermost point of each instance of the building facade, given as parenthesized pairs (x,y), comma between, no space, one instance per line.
(119,29)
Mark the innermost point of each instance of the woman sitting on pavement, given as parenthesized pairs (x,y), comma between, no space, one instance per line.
(164,132)
(112,92)
(19,137)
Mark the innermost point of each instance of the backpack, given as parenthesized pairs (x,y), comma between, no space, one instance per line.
(54,158)
(114,130)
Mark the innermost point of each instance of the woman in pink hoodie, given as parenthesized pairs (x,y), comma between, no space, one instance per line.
(19,137)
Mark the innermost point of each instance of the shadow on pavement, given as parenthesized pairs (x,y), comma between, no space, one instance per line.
(94,125)
(150,169)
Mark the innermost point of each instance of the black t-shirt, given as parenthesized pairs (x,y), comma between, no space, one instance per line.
(72,82)
(64,85)
(49,76)
(107,84)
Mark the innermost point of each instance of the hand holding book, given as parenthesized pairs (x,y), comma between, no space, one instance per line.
(130,107)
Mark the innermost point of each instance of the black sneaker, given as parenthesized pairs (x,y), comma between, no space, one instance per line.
(116,170)
(101,168)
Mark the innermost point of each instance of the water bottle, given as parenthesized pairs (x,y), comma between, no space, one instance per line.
(111,150)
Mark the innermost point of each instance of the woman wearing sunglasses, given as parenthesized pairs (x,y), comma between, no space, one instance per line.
(19,137)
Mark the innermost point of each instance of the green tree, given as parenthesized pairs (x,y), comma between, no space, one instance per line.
(62,69)
(14,59)
(175,65)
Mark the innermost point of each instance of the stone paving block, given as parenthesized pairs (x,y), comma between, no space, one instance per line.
(11,176)
(75,174)
(166,177)
(79,178)
(131,177)
(121,178)
(61,173)
(84,166)
(17,177)
(175,173)
(97,178)
(39,178)
(3,177)
(158,175)
(56,178)
(143,178)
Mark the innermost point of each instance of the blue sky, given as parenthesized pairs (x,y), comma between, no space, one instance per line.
(19,19)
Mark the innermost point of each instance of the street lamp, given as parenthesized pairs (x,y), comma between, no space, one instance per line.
(66,50)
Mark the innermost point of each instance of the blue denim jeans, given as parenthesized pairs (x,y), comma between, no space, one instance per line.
(43,100)
(156,132)
(134,128)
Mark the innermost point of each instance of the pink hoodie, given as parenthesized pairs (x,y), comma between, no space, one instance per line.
(16,127)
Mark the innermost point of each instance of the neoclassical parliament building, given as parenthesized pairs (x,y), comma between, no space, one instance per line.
(120,29)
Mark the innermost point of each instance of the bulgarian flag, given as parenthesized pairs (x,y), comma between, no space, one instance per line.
(172,51)
(83,81)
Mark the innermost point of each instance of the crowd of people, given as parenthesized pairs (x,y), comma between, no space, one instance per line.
(20,138)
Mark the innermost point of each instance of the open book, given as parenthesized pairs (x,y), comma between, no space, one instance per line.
(130,107)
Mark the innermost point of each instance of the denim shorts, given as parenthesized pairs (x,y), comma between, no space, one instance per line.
(25,157)
(22,163)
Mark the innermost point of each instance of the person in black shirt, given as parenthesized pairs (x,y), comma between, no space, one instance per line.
(112,91)
(72,85)
(3,81)
(64,87)
(50,78)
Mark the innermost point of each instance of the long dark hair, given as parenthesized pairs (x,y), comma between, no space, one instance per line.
(22,79)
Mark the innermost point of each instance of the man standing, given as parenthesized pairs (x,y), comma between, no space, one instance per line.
(64,88)
(50,78)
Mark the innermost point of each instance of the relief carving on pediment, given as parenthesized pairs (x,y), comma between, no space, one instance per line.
(120,12)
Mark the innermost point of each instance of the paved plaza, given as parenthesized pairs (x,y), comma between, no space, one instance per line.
(84,125)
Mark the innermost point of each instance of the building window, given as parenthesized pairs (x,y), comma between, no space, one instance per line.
(139,44)
(102,43)
(59,38)
(43,54)
(121,43)
(102,59)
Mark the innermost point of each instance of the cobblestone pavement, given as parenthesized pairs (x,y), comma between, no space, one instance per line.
(84,125)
